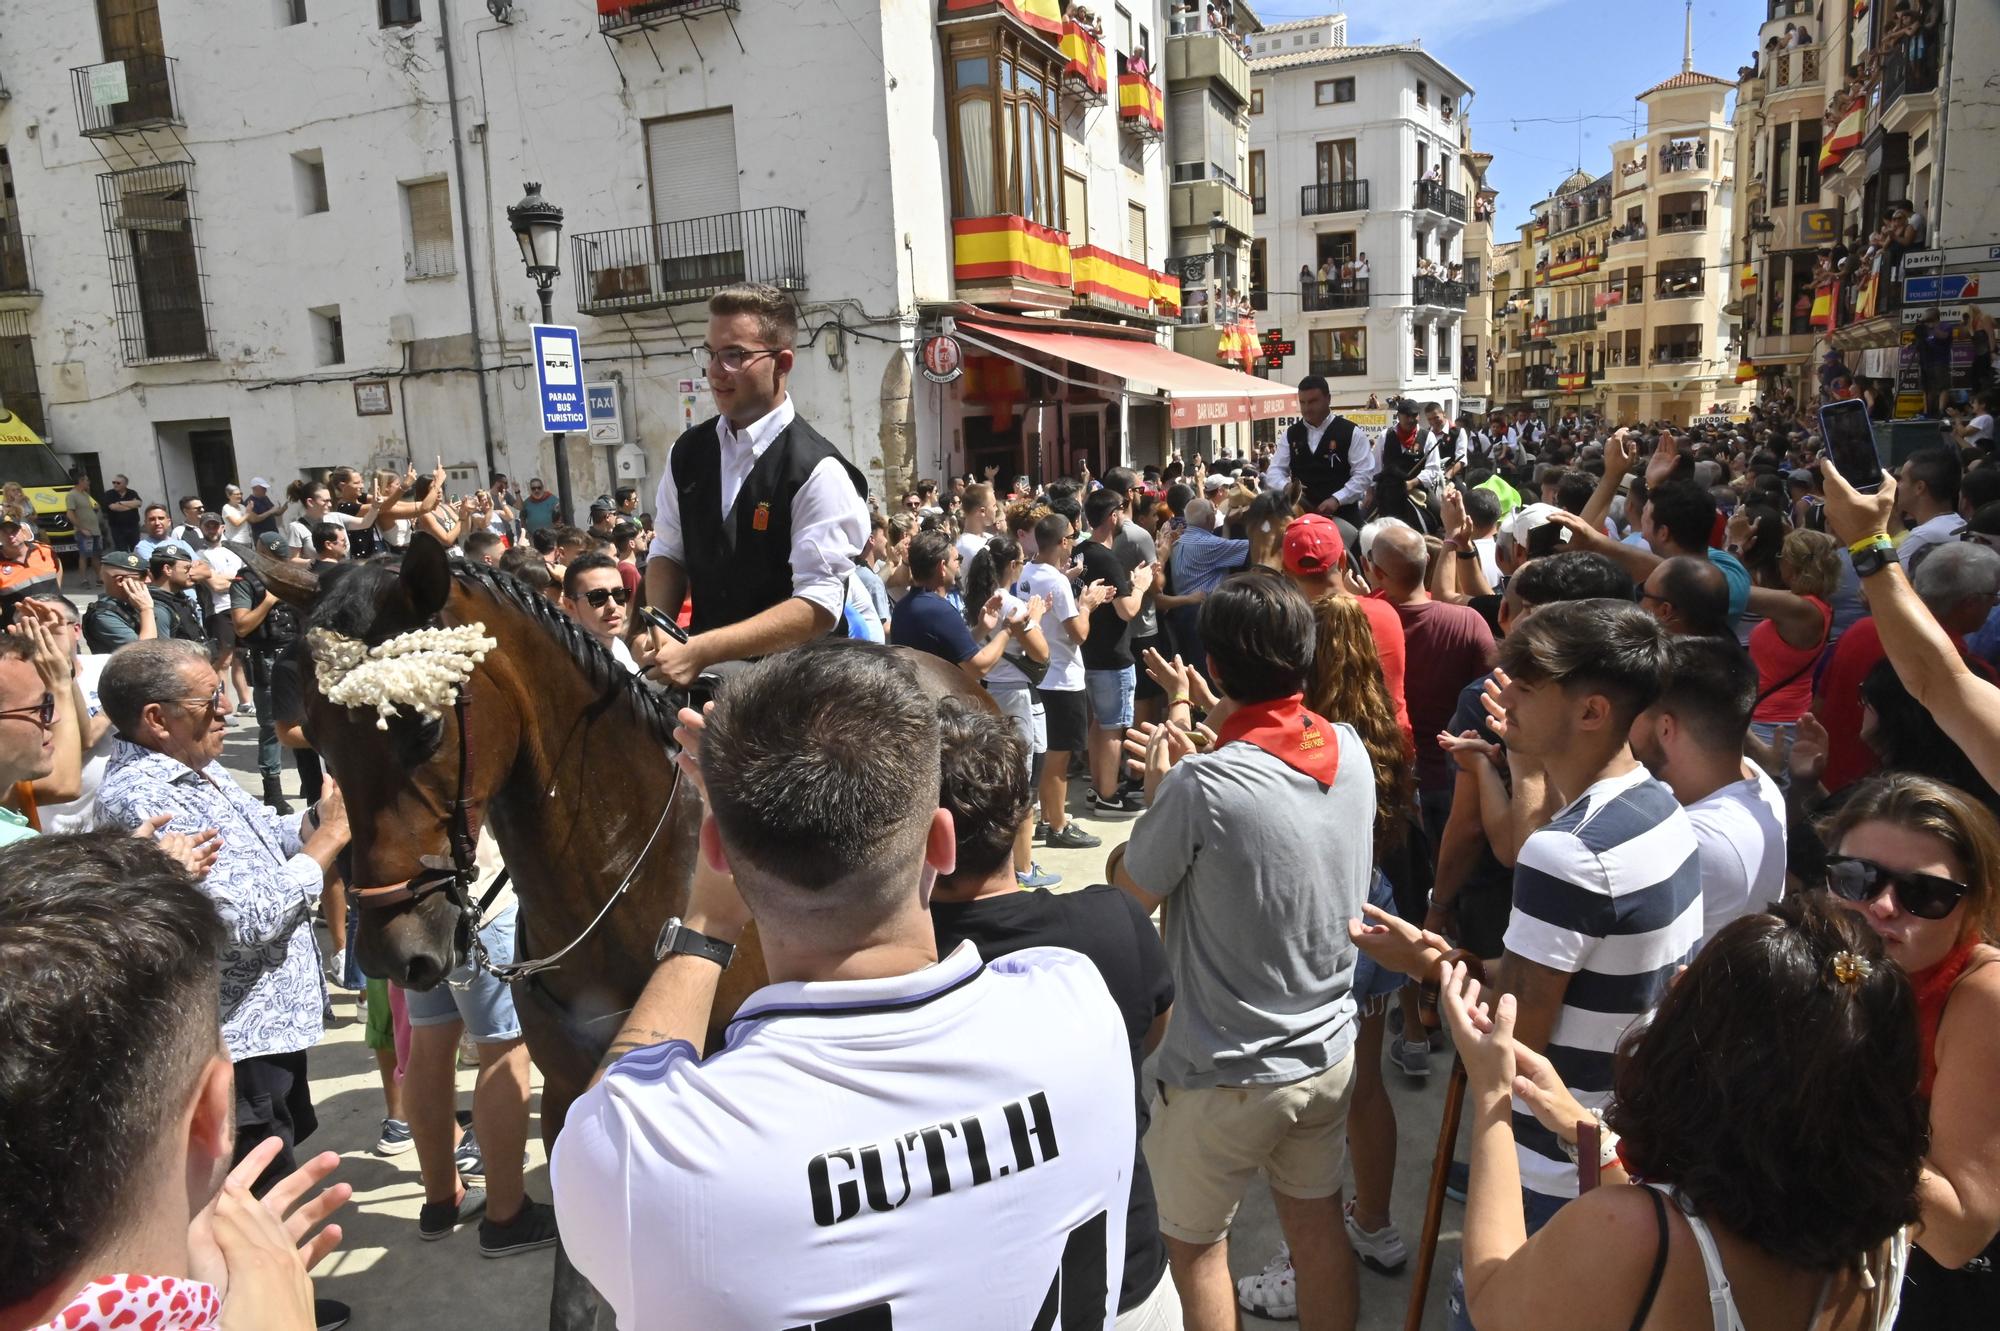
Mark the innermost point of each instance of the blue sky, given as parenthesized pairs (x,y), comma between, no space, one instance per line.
(1536,61)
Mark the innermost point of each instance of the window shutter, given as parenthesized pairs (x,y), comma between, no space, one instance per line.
(692,160)
(1135,233)
(432,253)
(1185,129)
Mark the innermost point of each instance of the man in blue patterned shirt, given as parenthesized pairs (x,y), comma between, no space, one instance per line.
(171,714)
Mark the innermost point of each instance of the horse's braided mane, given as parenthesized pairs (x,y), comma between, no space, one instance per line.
(348,606)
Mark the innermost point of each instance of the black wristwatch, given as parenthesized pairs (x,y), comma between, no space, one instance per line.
(1872,559)
(676,937)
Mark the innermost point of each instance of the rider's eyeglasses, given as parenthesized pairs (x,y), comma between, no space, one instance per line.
(1924,895)
(212,703)
(731,359)
(42,713)
(597,596)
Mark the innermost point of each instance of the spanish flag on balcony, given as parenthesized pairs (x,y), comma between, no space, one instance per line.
(1846,137)
(1111,277)
(1746,370)
(1166,294)
(1088,63)
(1139,99)
(1042,15)
(1746,281)
(985,249)
(1867,296)
(1822,306)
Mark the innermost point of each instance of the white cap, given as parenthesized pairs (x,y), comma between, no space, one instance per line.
(259,483)
(1527,520)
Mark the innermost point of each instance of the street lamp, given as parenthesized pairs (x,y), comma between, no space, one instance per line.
(1218,235)
(537,225)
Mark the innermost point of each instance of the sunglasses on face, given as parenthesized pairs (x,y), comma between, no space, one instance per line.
(42,713)
(597,596)
(1924,895)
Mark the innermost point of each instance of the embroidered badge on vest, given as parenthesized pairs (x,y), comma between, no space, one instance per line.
(761,519)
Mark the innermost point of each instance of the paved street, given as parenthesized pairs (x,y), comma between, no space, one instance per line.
(393,1280)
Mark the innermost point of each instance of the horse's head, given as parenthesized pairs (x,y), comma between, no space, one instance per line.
(390,733)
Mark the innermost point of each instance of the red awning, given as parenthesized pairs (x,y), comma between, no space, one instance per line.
(1199,393)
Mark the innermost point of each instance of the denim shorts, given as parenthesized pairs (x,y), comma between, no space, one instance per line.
(87,545)
(1372,981)
(1111,693)
(483,1002)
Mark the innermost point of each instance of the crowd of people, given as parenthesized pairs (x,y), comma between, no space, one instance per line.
(1651,771)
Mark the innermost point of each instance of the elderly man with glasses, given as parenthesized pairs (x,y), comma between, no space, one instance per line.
(171,714)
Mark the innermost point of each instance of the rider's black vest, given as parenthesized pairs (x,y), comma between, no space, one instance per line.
(1320,475)
(741,564)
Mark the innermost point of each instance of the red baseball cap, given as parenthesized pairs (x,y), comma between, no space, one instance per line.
(1313,545)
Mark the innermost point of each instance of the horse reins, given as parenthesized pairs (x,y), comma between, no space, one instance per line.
(456,879)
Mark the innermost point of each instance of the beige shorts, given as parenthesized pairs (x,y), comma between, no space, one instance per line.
(1205,1145)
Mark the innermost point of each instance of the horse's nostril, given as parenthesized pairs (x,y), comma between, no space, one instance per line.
(421,973)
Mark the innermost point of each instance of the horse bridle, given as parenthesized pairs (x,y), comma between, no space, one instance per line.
(456,879)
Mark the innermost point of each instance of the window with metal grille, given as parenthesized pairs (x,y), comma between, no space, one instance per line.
(152,237)
(431,252)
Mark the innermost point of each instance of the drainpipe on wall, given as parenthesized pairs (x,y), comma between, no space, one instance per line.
(465,233)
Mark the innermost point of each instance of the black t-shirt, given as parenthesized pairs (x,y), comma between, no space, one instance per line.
(1109,646)
(123,524)
(360,540)
(1486,899)
(1108,927)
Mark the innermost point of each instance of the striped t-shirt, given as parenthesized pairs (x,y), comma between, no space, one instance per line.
(1610,891)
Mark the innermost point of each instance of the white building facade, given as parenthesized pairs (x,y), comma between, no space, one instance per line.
(1356,152)
(274,243)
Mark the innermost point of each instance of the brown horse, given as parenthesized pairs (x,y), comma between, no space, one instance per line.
(568,758)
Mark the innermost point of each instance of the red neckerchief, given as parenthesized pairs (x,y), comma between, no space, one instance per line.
(142,1302)
(1288,732)
(1933,985)
(1406,440)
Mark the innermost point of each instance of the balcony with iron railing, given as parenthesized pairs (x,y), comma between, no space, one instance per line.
(1677,353)
(17,270)
(617,17)
(1342,368)
(1342,196)
(127,96)
(1903,77)
(1433,197)
(1334,294)
(1678,223)
(1684,158)
(674,263)
(1439,292)
(1671,287)
(1539,377)
(1574,323)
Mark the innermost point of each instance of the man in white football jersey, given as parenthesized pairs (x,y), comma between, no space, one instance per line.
(885,1138)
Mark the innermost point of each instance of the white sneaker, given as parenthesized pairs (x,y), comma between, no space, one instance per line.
(1271,1294)
(336,969)
(1379,1250)
(1411,1057)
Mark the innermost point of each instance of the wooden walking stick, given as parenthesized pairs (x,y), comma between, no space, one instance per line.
(1454,1105)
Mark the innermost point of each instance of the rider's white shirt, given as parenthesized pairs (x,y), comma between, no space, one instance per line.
(939,1149)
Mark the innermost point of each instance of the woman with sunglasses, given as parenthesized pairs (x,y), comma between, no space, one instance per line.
(1920,862)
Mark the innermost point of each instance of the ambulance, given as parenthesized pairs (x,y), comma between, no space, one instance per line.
(26,459)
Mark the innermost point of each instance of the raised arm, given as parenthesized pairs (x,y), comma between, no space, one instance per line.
(1966,706)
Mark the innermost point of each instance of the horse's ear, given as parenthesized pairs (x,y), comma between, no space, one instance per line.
(426,574)
(294,584)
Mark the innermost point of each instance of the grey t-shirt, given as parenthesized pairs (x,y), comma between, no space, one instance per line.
(1262,870)
(1134,546)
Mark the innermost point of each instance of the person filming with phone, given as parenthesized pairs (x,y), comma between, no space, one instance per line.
(759,519)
